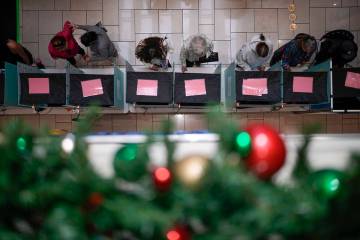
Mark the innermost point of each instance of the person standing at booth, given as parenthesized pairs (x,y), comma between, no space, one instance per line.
(296,53)
(154,52)
(64,46)
(13,52)
(197,49)
(98,41)
(254,55)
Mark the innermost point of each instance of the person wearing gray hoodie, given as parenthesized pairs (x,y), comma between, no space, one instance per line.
(98,41)
(254,55)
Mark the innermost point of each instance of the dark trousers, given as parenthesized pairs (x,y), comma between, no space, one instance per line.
(72,60)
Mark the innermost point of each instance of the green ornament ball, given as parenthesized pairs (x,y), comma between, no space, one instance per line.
(21,144)
(327,183)
(243,143)
(129,163)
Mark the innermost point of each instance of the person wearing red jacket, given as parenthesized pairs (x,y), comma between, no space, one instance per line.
(63,45)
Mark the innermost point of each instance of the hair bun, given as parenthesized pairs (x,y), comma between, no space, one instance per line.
(262,37)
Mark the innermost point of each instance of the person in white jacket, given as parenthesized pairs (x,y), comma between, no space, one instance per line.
(254,55)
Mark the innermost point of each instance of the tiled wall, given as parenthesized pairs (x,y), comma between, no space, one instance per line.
(229,23)
(283,122)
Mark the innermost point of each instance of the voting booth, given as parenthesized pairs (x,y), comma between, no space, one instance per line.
(255,87)
(2,87)
(197,89)
(346,90)
(42,89)
(149,87)
(88,89)
(305,87)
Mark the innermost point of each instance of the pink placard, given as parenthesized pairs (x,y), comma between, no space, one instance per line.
(92,87)
(352,80)
(147,87)
(255,87)
(303,84)
(39,86)
(195,87)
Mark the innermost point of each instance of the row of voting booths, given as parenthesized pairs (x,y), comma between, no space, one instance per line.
(320,88)
(23,86)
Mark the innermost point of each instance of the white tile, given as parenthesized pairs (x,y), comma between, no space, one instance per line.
(113,33)
(33,49)
(30,29)
(337,18)
(223,48)
(325,3)
(354,18)
(182,4)
(237,41)
(206,4)
(170,21)
(43,50)
(86,4)
(146,21)
(127,25)
(62,4)
(93,17)
(317,22)
(230,3)
(208,30)
(38,4)
(111,12)
(206,16)
(253,3)
(276,3)
(349,3)
(222,24)
(126,52)
(77,17)
(134,4)
(266,20)
(158,4)
(242,20)
(190,22)
(302,11)
(283,24)
(50,22)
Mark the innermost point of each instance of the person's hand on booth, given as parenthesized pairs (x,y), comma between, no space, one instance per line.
(183,68)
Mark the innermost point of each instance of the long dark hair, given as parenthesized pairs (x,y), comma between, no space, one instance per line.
(150,48)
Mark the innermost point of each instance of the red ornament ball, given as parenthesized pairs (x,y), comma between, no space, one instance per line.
(178,233)
(267,153)
(95,200)
(162,178)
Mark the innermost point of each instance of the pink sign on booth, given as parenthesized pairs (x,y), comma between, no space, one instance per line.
(195,87)
(303,84)
(39,86)
(352,80)
(147,87)
(254,87)
(92,88)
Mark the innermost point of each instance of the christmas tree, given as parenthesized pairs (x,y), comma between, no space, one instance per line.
(49,190)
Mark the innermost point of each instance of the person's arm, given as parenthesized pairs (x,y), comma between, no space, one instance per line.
(289,52)
(91,28)
(17,49)
(241,62)
(68,30)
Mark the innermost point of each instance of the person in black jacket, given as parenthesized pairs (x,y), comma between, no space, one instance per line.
(339,46)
